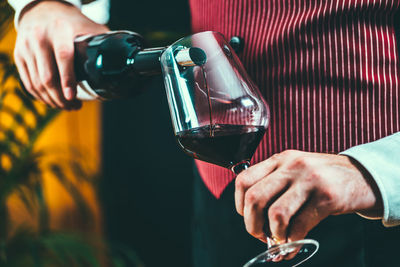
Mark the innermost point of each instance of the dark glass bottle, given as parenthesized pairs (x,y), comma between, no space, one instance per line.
(114,65)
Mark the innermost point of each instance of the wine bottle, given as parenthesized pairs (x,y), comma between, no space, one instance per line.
(116,64)
(113,65)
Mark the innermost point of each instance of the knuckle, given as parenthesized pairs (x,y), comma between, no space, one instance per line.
(287,153)
(47,80)
(241,180)
(239,183)
(279,215)
(60,23)
(64,52)
(327,197)
(276,156)
(26,44)
(39,34)
(300,163)
(284,153)
(313,177)
(251,198)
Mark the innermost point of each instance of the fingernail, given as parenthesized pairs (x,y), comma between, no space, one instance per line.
(68,93)
(278,258)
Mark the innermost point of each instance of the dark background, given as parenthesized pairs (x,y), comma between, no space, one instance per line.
(147,185)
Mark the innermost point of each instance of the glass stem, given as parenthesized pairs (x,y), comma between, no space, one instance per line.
(241,166)
(270,242)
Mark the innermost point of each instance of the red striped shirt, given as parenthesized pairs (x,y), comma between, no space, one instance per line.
(328,69)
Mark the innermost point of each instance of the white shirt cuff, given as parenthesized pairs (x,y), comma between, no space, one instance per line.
(19,5)
(381,159)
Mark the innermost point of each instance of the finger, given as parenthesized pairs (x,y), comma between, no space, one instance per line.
(257,200)
(249,177)
(48,73)
(63,46)
(281,212)
(46,97)
(24,76)
(306,219)
(35,79)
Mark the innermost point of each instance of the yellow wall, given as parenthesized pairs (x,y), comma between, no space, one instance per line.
(80,129)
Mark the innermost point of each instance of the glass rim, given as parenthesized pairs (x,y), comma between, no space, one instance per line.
(197,33)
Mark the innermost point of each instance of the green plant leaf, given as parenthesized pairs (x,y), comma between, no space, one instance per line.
(46,247)
(28,103)
(70,247)
(5,17)
(27,199)
(83,208)
(124,256)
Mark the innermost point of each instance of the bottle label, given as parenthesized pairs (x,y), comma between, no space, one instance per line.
(85,92)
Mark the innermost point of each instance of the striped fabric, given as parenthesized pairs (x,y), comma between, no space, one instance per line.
(328,69)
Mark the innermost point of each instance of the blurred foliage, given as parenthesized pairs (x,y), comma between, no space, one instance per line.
(22,171)
(6,14)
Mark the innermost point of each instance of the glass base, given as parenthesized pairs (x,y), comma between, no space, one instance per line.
(306,249)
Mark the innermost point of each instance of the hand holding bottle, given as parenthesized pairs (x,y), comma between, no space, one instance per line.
(44,51)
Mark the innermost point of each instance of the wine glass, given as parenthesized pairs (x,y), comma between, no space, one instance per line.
(219,115)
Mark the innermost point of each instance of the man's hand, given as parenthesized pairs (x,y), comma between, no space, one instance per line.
(295,190)
(44,51)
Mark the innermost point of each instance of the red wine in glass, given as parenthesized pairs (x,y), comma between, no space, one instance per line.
(225,145)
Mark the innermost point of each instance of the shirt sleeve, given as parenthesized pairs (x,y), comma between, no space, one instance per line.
(19,5)
(382,159)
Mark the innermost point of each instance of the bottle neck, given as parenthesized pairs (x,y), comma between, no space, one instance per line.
(147,61)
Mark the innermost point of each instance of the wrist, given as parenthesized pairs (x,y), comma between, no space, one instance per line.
(373,206)
(25,8)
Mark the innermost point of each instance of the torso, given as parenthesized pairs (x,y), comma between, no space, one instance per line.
(328,69)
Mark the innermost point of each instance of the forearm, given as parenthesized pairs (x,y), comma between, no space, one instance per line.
(382,160)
